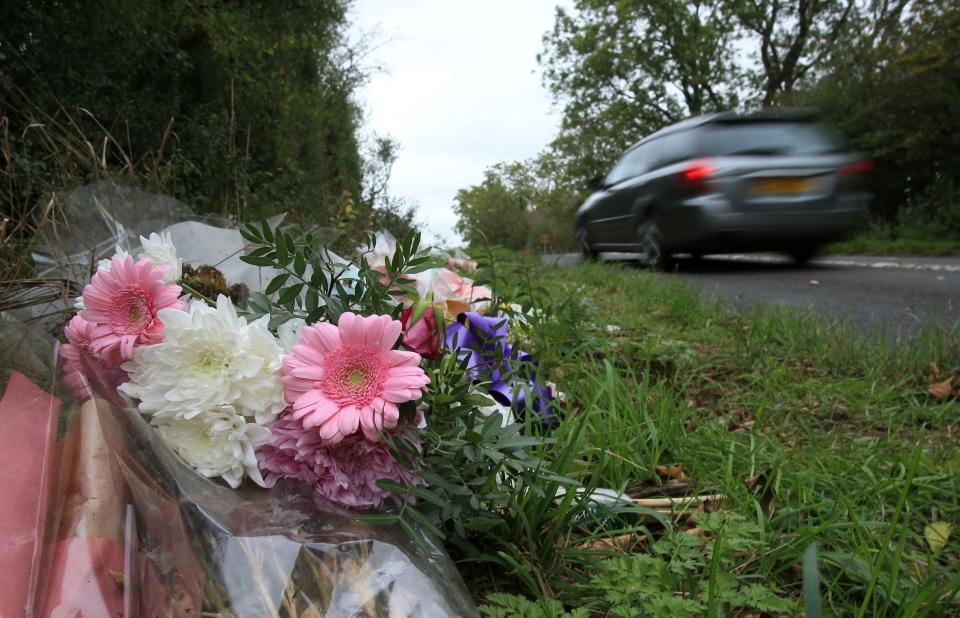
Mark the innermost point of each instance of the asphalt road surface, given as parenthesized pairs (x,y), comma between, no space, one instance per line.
(895,294)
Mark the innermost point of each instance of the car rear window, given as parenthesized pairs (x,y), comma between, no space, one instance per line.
(769,138)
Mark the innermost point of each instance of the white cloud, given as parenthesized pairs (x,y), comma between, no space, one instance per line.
(462,91)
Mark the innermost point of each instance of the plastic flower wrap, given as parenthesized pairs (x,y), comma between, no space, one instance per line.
(254,438)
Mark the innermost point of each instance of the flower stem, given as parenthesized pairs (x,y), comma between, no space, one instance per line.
(193,292)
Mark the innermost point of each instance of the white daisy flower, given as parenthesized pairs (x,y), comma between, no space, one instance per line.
(217,443)
(209,358)
(159,249)
(104,265)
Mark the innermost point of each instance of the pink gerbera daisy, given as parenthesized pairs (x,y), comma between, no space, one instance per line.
(123,303)
(341,378)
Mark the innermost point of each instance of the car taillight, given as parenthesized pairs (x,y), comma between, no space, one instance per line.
(696,173)
(854,169)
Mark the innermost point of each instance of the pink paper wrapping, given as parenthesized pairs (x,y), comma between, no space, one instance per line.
(87,577)
(29,445)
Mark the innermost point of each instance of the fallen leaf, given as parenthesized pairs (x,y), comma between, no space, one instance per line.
(935,372)
(671,472)
(621,543)
(941,390)
(937,534)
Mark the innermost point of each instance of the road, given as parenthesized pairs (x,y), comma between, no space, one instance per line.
(894,294)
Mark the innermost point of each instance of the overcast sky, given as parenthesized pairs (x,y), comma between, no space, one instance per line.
(460,91)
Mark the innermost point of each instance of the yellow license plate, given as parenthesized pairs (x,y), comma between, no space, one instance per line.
(782,186)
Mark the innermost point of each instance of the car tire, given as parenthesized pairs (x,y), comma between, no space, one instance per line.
(586,247)
(650,245)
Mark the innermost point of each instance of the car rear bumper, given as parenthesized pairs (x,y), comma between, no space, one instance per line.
(705,225)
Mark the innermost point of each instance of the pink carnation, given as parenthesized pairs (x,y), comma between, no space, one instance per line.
(75,354)
(346,472)
(349,377)
(123,303)
(79,360)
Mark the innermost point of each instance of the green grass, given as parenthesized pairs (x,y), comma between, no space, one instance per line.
(818,434)
(907,236)
(870,245)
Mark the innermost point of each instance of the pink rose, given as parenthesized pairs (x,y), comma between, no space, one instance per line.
(421,335)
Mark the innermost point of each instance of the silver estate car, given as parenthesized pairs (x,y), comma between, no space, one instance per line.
(728,182)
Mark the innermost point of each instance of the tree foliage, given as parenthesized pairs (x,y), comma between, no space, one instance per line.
(237,108)
(518,205)
(792,40)
(897,97)
(623,70)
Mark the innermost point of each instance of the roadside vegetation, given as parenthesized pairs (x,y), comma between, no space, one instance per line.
(239,110)
(812,437)
(882,239)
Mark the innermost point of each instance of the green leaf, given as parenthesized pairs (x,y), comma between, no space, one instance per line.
(378,518)
(256,261)
(312,300)
(414,534)
(391,486)
(276,283)
(425,494)
(424,521)
(289,294)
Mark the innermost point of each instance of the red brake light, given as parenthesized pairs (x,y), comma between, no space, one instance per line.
(860,167)
(698,171)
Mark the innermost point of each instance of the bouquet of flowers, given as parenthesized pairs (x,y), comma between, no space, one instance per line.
(339,394)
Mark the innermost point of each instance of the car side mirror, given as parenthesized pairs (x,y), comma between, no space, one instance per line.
(595,183)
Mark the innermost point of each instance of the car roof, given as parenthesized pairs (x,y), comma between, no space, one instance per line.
(730,116)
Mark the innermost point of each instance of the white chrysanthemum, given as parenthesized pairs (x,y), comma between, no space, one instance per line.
(288,333)
(104,265)
(217,443)
(160,251)
(209,358)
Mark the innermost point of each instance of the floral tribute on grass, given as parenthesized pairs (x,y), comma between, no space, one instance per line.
(346,377)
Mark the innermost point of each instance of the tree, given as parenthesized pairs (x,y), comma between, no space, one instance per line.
(495,211)
(897,98)
(238,108)
(623,70)
(518,203)
(794,39)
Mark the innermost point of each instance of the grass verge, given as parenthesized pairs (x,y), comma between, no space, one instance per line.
(868,245)
(823,440)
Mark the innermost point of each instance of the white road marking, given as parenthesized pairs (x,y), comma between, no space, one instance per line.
(946,265)
(903,264)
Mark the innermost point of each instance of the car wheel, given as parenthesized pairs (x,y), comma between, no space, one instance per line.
(650,245)
(583,240)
